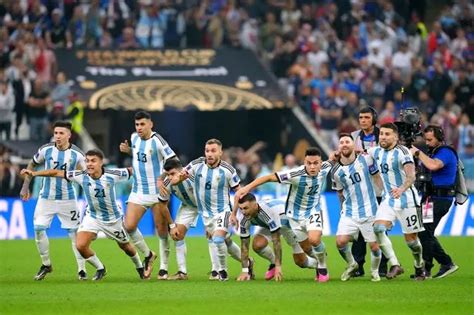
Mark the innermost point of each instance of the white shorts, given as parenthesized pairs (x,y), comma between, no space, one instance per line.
(348,226)
(301,227)
(219,221)
(287,234)
(66,210)
(146,201)
(409,218)
(113,230)
(187,216)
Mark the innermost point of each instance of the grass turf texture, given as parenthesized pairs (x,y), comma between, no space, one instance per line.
(121,292)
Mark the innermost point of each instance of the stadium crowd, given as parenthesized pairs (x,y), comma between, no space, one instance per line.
(332,57)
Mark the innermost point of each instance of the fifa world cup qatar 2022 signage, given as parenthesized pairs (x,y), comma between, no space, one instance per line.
(16,219)
(207,79)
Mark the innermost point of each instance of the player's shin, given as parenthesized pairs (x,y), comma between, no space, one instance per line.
(375,258)
(417,251)
(42,243)
(385,244)
(164,252)
(233,249)
(219,242)
(95,261)
(181,251)
(81,262)
(213,255)
(266,253)
(320,253)
(346,253)
(139,242)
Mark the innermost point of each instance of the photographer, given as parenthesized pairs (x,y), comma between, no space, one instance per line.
(441,163)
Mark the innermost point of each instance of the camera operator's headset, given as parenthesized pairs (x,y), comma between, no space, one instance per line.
(437,132)
(375,116)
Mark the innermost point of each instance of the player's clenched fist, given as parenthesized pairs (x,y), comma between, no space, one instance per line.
(125,147)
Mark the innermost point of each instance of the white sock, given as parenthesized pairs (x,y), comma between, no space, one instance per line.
(164,252)
(81,262)
(233,249)
(375,258)
(221,254)
(138,241)
(213,255)
(387,248)
(181,251)
(42,243)
(136,261)
(310,263)
(320,252)
(267,253)
(346,253)
(94,261)
(417,252)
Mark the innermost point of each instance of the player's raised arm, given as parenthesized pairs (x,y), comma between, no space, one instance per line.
(254,184)
(44,173)
(125,147)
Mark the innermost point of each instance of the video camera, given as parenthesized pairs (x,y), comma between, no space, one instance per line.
(409,126)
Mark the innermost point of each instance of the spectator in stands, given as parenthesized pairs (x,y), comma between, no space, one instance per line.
(128,40)
(38,103)
(7,104)
(151,26)
(61,90)
(45,62)
(10,181)
(21,89)
(57,33)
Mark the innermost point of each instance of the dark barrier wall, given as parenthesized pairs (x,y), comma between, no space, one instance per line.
(187,131)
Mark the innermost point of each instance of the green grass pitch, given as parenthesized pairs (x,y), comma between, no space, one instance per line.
(121,292)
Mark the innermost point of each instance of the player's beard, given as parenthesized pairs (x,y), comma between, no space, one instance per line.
(348,155)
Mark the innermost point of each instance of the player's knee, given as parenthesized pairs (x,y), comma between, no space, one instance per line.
(340,242)
(81,247)
(379,228)
(216,239)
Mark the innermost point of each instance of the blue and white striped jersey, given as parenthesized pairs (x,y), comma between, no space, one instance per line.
(100,193)
(212,185)
(355,181)
(270,215)
(390,163)
(184,191)
(148,158)
(68,160)
(305,191)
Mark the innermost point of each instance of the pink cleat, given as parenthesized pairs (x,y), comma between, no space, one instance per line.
(270,274)
(320,277)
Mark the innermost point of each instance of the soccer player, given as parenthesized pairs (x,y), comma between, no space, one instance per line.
(149,152)
(187,212)
(365,138)
(302,206)
(213,181)
(400,199)
(271,222)
(353,178)
(103,214)
(57,196)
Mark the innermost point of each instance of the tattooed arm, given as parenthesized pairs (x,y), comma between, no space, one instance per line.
(276,239)
(244,248)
